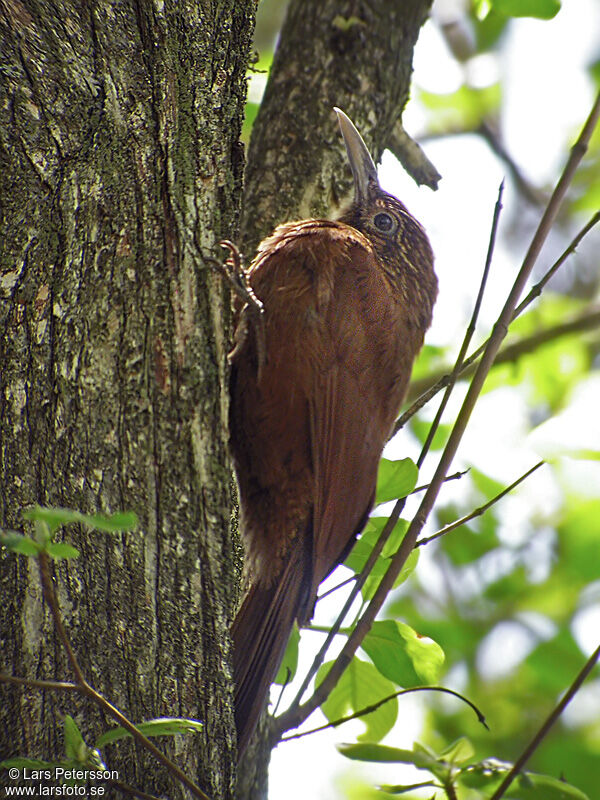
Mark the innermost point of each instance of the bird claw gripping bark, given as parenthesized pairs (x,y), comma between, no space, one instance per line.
(252,312)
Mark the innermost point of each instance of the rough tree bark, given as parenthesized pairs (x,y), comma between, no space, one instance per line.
(353,54)
(120,157)
(348,53)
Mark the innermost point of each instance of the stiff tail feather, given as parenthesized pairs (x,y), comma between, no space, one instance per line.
(260,634)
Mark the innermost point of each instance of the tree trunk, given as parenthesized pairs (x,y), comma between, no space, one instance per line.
(119,161)
(355,55)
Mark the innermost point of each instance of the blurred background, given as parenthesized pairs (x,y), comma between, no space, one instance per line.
(513,597)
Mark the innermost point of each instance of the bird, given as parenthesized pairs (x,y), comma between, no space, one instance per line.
(318,374)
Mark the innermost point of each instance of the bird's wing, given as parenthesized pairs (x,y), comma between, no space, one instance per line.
(330,318)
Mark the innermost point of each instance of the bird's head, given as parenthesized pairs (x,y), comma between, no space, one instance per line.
(398,239)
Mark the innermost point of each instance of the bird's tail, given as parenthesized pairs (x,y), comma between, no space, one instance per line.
(260,634)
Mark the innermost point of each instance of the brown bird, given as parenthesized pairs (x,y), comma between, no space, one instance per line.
(315,389)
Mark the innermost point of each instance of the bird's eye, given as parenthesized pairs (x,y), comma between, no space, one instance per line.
(384,222)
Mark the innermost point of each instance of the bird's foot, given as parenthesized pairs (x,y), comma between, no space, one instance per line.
(234,272)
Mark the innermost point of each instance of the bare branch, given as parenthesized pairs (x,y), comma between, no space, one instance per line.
(490,134)
(51,599)
(428,387)
(478,511)
(369,710)
(588,320)
(540,735)
(469,332)
(30,683)
(456,476)
(410,154)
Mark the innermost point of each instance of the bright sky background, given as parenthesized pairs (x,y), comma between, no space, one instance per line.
(547,96)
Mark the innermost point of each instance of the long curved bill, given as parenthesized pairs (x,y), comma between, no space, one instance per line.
(361,163)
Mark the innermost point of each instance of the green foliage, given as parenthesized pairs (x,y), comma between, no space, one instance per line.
(163,726)
(536,585)
(54,518)
(47,521)
(464,109)
(402,655)
(395,479)
(542,9)
(361,551)
(455,769)
(77,754)
(361,686)
(289,665)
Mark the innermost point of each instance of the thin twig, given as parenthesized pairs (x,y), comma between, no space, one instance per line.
(338,586)
(549,722)
(454,477)
(114,712)
(470,329)
(374,706)
(413,159)
(51,599)
(85,689)
(536,290)
(353,577)
(478,511)
(296,716)
(426,388)
(530,192)
(30,683)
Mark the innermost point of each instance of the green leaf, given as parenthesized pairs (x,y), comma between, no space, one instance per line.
(381,753)
(163,726)
(55,517)
(459,751)
(28,763)
(360,686)
(395,479)
(420,428)
(464,109)
(361,551)
(59,550)
(553,664)
(289,665)
(541,9)
(371,585)
(533,787)
(579,532)
(401,655)
(430,359)
(363,546)
(17,543)
(405,787)
(75,747)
